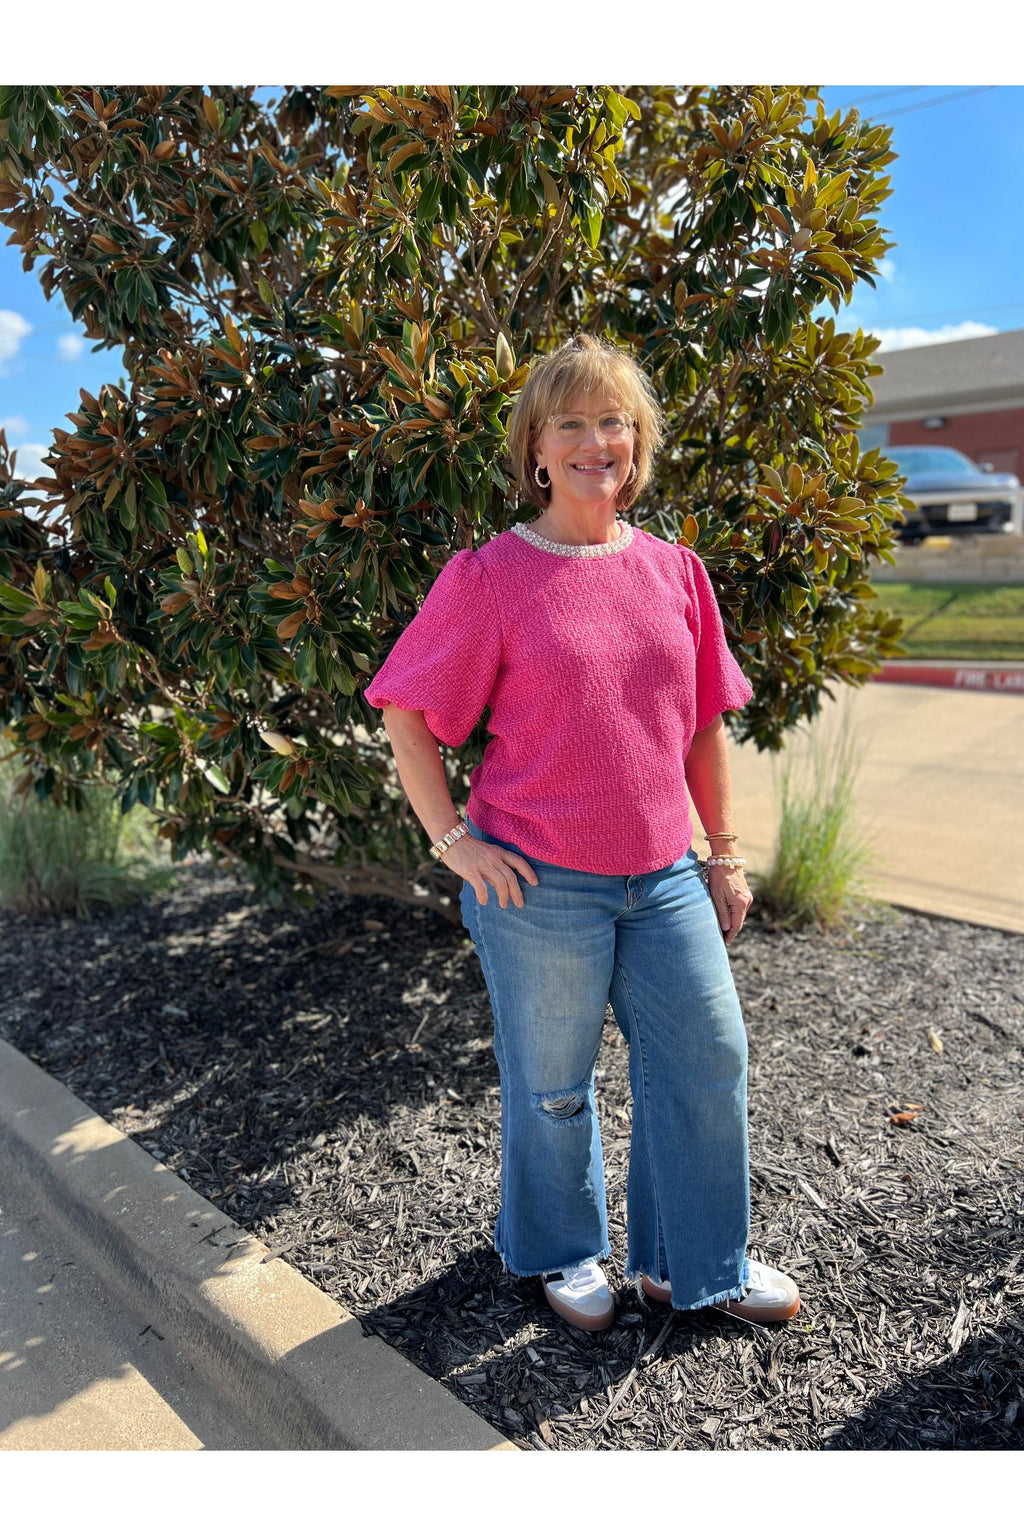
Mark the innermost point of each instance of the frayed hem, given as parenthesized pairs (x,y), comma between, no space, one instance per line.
(735,1293)
(550,1269)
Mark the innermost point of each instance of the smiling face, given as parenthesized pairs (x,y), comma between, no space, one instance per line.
(588,467)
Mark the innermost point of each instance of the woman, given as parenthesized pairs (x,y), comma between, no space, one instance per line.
(601,654)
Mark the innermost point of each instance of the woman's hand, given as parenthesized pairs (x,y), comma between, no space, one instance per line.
(484,864)
(731,897)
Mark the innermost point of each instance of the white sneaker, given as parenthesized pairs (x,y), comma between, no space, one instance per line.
(581,1295)
(769,1297)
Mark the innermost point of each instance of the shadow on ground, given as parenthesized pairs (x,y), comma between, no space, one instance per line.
(326,1078)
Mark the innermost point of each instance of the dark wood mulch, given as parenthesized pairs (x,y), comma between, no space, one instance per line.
(325,1076)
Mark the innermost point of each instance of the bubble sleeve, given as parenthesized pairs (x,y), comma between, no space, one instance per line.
(720,684)
(446,660)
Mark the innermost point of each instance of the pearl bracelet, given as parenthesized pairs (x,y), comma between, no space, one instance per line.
(729,862)
(444,843)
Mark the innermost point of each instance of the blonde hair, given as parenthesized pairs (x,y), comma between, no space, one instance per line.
(584,365)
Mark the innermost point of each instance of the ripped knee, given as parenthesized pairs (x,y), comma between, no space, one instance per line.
(567,1104)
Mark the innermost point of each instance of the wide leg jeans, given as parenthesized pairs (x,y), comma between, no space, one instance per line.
(652,946)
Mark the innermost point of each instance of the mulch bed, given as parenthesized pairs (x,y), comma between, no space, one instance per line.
(325,1077)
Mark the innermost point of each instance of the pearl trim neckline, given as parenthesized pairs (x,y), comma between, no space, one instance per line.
(586,551)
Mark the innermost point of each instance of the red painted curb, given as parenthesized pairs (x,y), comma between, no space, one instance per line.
(983,678)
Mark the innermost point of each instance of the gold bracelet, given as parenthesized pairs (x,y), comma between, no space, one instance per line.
(444,843)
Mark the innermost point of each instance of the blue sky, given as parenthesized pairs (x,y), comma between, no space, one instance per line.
(956,214)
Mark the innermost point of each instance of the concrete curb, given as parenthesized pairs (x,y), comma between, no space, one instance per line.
(276,1351)
(979,676)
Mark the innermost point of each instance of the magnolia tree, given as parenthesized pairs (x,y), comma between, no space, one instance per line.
(322,306)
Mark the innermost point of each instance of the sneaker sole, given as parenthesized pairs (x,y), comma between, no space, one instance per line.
(587,1321)
(780,1313)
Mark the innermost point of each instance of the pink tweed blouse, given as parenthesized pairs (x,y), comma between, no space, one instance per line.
(597,670)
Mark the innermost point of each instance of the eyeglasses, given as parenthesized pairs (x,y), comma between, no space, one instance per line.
(571,426)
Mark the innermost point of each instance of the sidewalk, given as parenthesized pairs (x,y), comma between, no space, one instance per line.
(100,1242)
(939,795)
(79,1370)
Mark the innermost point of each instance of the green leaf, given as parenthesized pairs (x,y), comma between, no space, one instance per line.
(16,601)
(590,223)
(216,778)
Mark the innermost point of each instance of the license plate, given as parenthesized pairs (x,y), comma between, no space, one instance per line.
(962,512)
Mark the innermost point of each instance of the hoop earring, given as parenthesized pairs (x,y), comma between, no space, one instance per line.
(544,484)
(632,473)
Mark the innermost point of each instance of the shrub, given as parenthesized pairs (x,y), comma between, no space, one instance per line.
(323,306)
(56,859)
(821,858)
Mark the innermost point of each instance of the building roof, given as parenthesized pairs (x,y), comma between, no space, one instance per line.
(948,376)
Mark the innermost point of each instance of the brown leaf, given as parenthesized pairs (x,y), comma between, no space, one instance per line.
(291,624)
(405,153)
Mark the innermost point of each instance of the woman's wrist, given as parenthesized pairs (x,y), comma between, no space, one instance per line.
(440,847)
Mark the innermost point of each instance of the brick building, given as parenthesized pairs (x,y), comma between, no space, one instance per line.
(957,394)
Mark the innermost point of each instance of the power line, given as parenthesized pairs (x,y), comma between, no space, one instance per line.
(937,101)
(895,90)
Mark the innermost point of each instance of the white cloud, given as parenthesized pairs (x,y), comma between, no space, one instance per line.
(30,461)
(13,330)
(70,347)
(15,426)
(895,339)
(887,269)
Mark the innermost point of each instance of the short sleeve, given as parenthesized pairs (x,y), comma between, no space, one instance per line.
(446,660)
(720,683)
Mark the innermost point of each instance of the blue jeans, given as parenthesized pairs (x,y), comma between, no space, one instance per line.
(652,945)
